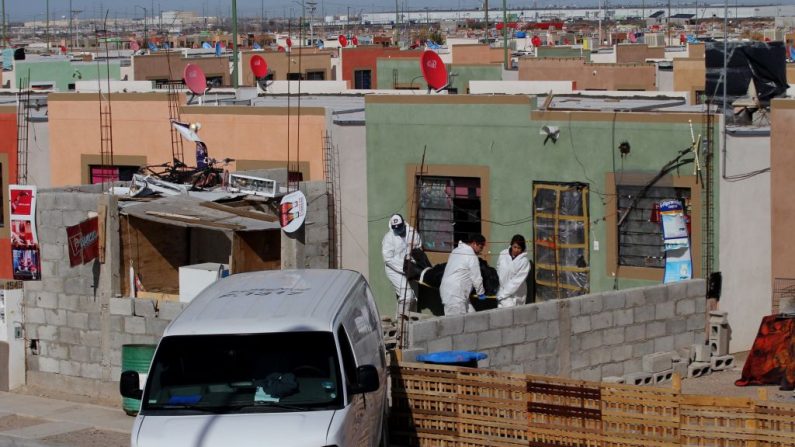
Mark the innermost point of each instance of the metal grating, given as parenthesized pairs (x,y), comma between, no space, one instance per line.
(783,288)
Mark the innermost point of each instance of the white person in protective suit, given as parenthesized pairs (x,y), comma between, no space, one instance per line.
(461,274)
(513,268)
(396,248)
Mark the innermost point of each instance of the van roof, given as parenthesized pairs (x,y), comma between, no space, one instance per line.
(267,301)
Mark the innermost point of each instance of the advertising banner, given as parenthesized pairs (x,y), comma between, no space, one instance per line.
(676,238)
(83,241)
(25,253)
(292,211)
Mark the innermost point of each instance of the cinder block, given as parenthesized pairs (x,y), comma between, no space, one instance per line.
(121,306)
(613,379)
(699,353)
(657,362)
(720,363)
(662,376)
(499,318)
(718,317)
(638,378)
(410,355)
(698,369)
(719,339)
(681,368)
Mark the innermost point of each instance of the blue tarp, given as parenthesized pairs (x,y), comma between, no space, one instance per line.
(456,358)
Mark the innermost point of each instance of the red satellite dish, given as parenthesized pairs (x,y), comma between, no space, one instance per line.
(63,49)
(280,49)
(194,78)
(343,40)
(259,66)
(499,26)
(536,41)
(289,42)
(134,45)
(355,41)
(433,70)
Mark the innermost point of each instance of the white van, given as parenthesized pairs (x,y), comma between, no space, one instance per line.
(275,358)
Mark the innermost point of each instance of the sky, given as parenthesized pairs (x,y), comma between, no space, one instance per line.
(20,10)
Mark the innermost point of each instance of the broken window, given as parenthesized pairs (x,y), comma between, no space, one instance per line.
(640,239)
(449,211)
(561,228)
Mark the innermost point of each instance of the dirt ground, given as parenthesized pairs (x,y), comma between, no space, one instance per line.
(722,384)
(90,438)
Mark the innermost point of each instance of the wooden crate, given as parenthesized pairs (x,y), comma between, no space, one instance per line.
(639,416)
(775,424)
(445,406)
(563,412)
(717,421)
(439,405)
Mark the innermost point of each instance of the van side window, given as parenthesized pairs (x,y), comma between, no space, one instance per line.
(348,360)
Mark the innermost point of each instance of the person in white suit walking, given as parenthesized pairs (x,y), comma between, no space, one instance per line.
(512,268)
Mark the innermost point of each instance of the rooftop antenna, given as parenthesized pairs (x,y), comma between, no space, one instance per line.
(434,72)
(259,66)
(196,81)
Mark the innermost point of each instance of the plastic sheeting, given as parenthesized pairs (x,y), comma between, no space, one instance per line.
(561,240)
(764,63)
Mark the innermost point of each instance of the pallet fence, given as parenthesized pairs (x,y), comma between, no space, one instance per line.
(448,406)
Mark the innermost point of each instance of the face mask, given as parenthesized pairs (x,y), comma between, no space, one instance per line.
(400,231)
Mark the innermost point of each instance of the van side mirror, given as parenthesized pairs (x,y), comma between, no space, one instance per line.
(129,385)
(367,379)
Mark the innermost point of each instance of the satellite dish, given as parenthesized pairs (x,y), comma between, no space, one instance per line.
(195,80)
(256,46)
(343,40)
(63,49)
(433,70)
(355,41)
(259,66)
(218,48)
(280,49)
(536,41)
(134,45)
(206,45)
(288,42)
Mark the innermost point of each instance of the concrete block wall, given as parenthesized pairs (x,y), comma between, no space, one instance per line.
(316,226)
(587,337)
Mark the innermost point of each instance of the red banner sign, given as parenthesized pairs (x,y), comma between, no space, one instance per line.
(83,241)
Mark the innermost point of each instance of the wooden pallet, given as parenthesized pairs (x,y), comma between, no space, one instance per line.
(445,406)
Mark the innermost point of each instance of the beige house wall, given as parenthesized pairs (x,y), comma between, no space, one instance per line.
(476,54)
(172,65)
(782,161)
(589,76)
(637,53)
(141,132)
(689,76)
(312,60)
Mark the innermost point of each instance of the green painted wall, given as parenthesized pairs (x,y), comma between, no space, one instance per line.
(63,72)
(563,51)
(409,73)
(504,138)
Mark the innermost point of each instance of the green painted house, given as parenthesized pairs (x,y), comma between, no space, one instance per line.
(491,167)
(62,74)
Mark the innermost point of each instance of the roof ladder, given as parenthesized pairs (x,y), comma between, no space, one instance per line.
(332,176)
(23,129)
(177,149)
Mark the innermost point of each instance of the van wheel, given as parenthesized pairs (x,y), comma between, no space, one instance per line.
(384,430)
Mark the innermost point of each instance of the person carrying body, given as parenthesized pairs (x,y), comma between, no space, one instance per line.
(461,274)
(396,247)
(513,267)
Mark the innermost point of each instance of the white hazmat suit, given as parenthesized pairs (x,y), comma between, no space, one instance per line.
(395,249)
(461,274)
(513,278)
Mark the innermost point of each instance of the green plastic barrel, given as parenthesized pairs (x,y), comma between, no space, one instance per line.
(135,358)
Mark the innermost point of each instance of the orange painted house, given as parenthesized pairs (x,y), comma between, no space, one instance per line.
(359,64)
(8,170)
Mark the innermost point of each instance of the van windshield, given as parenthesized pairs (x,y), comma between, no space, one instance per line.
(244,373)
